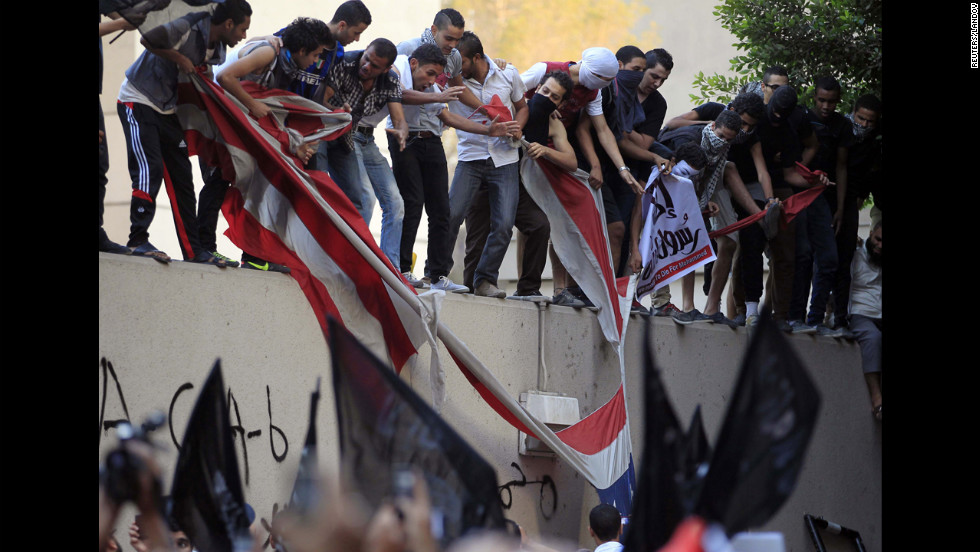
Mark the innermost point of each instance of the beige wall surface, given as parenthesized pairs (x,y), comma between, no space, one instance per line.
(162,327)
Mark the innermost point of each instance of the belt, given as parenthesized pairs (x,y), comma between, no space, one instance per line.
(421,134)
(363,129)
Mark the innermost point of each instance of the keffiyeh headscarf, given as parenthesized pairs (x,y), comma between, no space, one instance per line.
(716,149)
(860,132)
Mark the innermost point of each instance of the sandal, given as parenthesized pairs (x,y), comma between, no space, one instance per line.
(147,249)
(877,412)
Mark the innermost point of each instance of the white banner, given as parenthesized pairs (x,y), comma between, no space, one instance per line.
(674,240)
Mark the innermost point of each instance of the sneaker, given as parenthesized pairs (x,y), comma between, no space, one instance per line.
(668,310)
(413,281)
(566,299)
(691,317)
(829,332)
(447,285)
(228,261)
(719,318)
(638,308)
(784,326)
(486,289)
(427,282)
(752,321)
(267,266)
(533,296)
(580,295)
(207,258)
(739,319)
(801,327)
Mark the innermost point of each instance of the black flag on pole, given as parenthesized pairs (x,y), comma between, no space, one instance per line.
(208,503)
(659,504)
(385,426)
(306,491)
(764,436)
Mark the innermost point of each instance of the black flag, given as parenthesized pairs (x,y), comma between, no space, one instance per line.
(658,504)
(385,426)
(208,503)
(306,492)
(694,461)
(763,439)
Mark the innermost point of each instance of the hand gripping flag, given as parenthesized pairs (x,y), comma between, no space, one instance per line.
(285,214)
(789,208)
(208,503)
(385,426)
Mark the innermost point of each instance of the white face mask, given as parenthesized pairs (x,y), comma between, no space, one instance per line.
(590,81)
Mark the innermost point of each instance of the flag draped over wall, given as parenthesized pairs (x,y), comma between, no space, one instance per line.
(281,212)
(579,236)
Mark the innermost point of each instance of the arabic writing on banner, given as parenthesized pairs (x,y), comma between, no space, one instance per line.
(673,241)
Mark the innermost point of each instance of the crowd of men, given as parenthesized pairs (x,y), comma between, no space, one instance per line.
(745,154)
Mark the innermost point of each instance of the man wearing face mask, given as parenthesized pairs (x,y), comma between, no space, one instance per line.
(596,70)
(546,139)
(622,110)
(746,169)
(772,78)
(864,177)
(640,148)
(715,139)
(784,136)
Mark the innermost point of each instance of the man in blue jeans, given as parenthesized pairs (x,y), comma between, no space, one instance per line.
(363,84)
(487,160)
(374,172)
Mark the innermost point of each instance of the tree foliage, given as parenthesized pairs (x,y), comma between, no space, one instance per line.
(811,38)
(525,33)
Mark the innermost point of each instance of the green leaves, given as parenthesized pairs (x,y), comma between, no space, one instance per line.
(811,38)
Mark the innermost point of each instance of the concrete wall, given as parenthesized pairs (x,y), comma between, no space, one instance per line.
(161,327)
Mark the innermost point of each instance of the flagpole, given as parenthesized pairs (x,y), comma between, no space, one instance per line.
(454,344)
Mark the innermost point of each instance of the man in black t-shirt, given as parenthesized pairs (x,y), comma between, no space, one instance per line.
(864,177)
(783,137)
(816,247)
(640,148)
